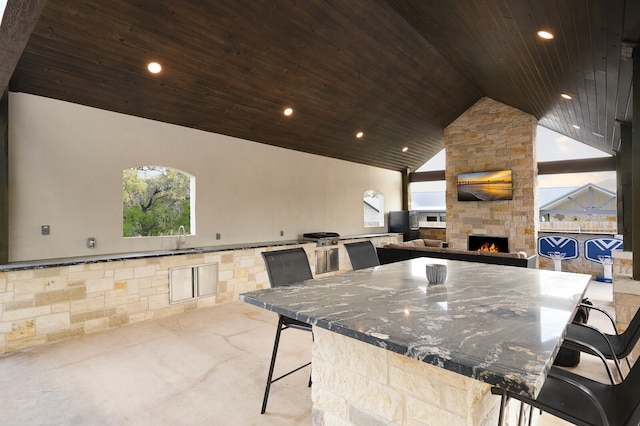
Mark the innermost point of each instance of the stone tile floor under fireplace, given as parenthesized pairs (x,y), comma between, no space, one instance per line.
(205,367)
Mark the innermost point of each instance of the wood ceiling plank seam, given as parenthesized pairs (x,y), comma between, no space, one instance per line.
(365,101)
(399,29)
(570,42)
(533,72)
(621,89)
(601,69)
(313,60)
(559,61)
(509,83)
(615,24)
(433,32)
(67,22)
(85,75)
(590,65)
(52,54)
(550,63)
(562,40)
(40,43)
(624,104)
(414,28)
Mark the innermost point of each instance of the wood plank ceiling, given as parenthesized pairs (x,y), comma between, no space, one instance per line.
(398,70)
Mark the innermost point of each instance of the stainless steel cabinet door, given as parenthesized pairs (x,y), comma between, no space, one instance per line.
(207,279)
(181,284)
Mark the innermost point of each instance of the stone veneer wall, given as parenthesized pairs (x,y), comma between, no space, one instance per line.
(493,136)
(626,293)
(355,383)
(45,305)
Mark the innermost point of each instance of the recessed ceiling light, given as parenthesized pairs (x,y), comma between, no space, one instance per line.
(288,111)
(154,67)
(360,135)
(405,149)
(565,96)
(575,126)
(545,35)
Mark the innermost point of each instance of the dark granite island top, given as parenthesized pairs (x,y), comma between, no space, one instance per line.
(498,324)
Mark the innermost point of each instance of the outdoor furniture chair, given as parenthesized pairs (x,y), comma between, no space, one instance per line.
(285,267)
(583,401)
(618,346)
(362,255)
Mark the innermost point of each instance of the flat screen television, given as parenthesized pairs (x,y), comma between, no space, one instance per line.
(485,186)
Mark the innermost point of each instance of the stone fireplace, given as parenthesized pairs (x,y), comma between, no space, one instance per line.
(492,136)
(488,243)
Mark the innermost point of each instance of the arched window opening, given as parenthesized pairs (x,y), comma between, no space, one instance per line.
(156,201)
(373,209)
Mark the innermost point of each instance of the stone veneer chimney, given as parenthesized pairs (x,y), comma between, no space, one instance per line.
(493,136)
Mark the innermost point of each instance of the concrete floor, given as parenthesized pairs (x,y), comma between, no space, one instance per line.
(204,367)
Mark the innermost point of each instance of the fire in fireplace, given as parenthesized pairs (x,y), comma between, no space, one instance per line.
(486,247)
(488,243)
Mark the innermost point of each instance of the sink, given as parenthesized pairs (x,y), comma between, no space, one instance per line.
(186,250)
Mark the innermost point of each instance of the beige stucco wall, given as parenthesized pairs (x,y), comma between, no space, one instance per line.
(493,136)
(66,163)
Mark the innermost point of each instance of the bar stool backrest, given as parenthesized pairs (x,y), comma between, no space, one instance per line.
(286,267)
(362,255)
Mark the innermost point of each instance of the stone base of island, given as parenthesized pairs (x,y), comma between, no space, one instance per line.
(355,383)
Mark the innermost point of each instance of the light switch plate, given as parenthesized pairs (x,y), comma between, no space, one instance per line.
(46,230)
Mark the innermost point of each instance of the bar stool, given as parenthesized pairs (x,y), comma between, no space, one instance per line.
(583,401)
(285,267)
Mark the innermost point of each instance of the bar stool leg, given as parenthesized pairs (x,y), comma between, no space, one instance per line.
(503,404)
(520,413)
(272,365)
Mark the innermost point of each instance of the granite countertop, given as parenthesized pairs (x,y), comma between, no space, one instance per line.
(499,324)
(114,257)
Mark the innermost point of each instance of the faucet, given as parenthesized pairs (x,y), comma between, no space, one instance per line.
(182,236)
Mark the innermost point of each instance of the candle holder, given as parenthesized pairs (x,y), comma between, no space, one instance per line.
(436,273)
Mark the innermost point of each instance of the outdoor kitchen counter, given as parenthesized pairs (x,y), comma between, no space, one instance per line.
(500,325)
(113,257)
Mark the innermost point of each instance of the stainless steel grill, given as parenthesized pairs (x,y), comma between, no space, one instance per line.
(327,259)
(322,238)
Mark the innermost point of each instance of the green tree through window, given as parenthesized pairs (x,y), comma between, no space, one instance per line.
(156,201)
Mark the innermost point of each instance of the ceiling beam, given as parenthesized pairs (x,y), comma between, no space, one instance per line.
(588,165)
